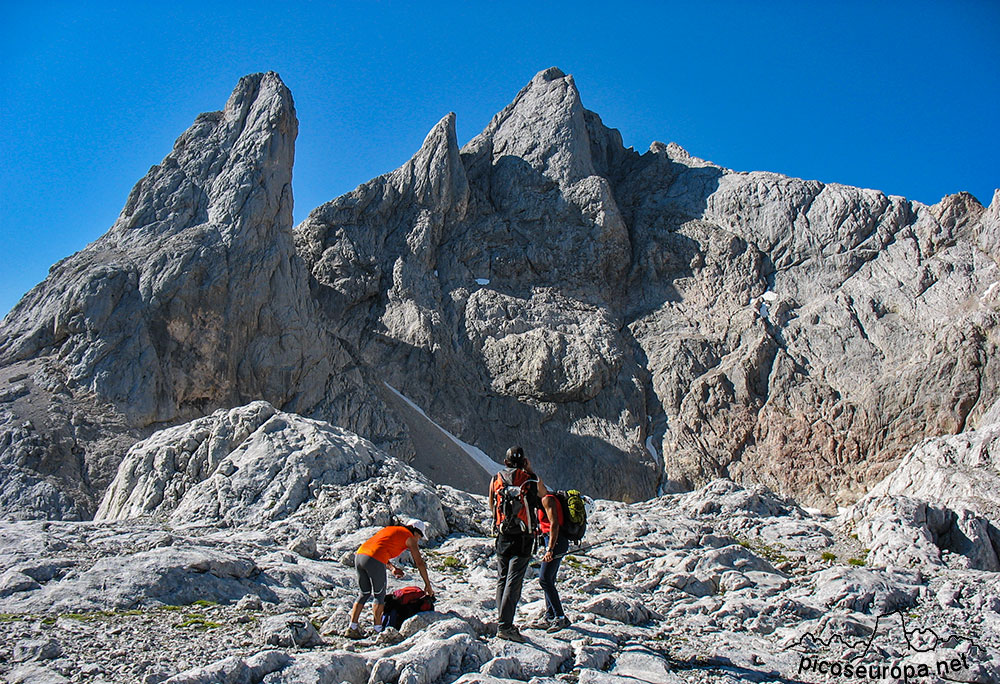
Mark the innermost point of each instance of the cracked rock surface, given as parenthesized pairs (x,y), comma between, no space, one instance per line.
(727,583)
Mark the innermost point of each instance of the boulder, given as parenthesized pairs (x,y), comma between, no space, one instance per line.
(289,630)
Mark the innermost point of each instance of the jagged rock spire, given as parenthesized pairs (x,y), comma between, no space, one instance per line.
(546,126)
(195,296)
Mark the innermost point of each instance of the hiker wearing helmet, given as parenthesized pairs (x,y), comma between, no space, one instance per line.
(514,495)
(550,523)
(371,561)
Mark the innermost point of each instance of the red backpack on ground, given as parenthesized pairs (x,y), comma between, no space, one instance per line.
(405,603)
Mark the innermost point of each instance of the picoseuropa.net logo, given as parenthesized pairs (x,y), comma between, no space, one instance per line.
(927,655)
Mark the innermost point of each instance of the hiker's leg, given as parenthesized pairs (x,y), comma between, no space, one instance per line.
(512,589)
(379,583)
(364,584)
(503,569)
(372,577)
(547,579)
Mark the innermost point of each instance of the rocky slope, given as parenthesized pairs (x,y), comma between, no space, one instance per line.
(646,322)
(224,555)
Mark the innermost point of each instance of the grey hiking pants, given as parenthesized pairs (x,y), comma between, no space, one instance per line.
(513,556)
(371,578)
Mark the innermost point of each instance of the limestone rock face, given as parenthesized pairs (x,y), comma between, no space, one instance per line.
(655,320)
(195,299)
(940,506)
(195,296)
(640,323)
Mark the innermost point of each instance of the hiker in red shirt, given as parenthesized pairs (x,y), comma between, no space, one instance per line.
(550,523)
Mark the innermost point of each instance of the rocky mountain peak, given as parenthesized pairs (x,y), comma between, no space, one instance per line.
(195,298)
(544,126)
(646,323)
(231,169)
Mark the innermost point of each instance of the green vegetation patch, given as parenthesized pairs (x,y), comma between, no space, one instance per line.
(828,556)
(578,565)
(99,615)
(452,563)
(14,617)
(198,623)
(773,554)
(860,561)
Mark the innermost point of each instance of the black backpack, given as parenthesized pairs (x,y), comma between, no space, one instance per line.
(511,500)
(574,512)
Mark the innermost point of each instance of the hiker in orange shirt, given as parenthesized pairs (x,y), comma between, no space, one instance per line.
(371,562)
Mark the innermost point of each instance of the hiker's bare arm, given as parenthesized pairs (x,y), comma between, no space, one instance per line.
(552,514)
(542,489)
(414,548)
(397,572)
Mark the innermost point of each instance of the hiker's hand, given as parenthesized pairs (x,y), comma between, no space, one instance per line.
(398,573)
(549,557)
(428,590)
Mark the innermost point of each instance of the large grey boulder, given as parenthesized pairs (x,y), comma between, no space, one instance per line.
(255,465)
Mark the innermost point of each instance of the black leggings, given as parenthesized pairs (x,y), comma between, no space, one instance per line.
(371,578)
(547,578)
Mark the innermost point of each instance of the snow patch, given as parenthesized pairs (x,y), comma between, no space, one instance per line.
(651,448)
(482,281)
(768,296)
(475,453)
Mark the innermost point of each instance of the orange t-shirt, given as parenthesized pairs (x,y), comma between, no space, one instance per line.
(386,544)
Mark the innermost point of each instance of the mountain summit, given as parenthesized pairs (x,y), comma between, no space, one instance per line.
(639,323)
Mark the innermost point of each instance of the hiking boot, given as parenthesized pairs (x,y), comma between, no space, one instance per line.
(560,623)
(510,634)
(354,633)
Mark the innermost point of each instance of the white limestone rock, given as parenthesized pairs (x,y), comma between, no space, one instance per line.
(36,649)
(627,622)
(942,498)
(289,630)
(542,285)
(620,608)
(254,464)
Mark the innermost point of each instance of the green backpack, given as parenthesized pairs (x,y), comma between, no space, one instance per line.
(574,514)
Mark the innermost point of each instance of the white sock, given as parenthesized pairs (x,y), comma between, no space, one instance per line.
(378,628)
(354,625)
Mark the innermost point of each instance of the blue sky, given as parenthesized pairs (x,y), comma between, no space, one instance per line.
(901,97)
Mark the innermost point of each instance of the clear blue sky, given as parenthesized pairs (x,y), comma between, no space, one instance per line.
(901,97)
